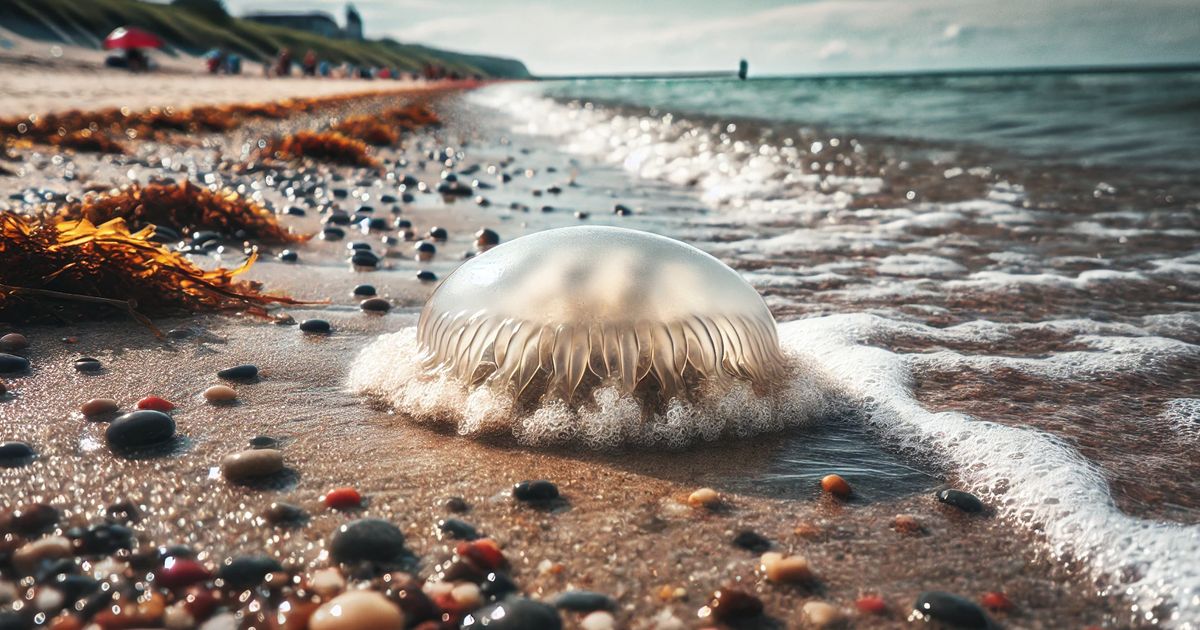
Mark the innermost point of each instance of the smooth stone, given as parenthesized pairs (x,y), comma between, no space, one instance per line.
(378,224)
(27,557)
(359,246)
(239,372)
(751,541)
(497,585)
(426,276)
(124,511)
(821,614)
(258,462)
(584,601)
(263,441)
(364,259)
(140,428)
(704,498)
(357,610)
(598,620)
(327,582)
(220,394)
(245,572)
(294,211)
(459,529)
(13,341)
(964,501)
(34,518)
(375,305)
(780,568)
(951,609)
(288,256)
(104,538)
(98,407)
(281,512)
(438,233)
(364,290)
(403,224)
(836,485)
(457,504)
(369,540)
(486,238)
(88,364)
(733,605)
(180,572)
(535,490)
(622,210)
(514,613)
(12,363)
(315,326)
(333,234)
(15,454)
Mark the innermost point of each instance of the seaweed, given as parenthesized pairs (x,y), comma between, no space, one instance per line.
(368,129)
(329,146)
(72,270)
(184,207)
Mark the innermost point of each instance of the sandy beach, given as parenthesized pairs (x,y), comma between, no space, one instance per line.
(623,527)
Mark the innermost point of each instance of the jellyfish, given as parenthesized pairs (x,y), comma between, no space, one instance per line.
(612,334)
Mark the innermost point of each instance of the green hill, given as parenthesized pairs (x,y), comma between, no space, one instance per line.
(87,22)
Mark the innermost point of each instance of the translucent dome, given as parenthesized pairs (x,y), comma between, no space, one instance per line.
(575,308)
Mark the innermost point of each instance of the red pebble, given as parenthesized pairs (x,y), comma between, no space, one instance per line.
(200,602)
(871,605)
(483,553)
(343,499)
(155,403)
(996,600)
(180,572)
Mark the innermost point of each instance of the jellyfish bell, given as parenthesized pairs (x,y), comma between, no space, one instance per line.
(601,336)
(564,311)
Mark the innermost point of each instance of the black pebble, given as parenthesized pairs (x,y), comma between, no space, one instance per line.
(280,513)
(34,518)
(88,364)
(375,305)
(497,585)
(387,199)
(455,528)
(263,441)
(457,505)
(378,224)
(333,234)
(369,540)
(622,210)
(950,609)
(358,246)
(438,233)
(536,490)
(426,276)
(288,256)
(239,373)
(514,613)
(364,259)
(584,601)
(403,223)
(315,326)
(123,512)
(751,541)
(364,290)
(103,538)
(140,428)
(426,247)
(295,211)
(245,572)
(15,454)
(964,501)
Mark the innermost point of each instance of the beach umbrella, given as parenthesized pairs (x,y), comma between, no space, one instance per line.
(131,37)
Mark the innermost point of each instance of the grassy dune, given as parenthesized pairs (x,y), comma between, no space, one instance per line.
(86,22)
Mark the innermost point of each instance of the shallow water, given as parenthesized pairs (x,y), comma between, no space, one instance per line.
(1016,303)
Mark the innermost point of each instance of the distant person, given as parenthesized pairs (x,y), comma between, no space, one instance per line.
(324,69)
(309,65)
(233,63)
(136,60)
(283,64)
(216,61)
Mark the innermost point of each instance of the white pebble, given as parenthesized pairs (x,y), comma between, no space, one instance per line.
(598,620)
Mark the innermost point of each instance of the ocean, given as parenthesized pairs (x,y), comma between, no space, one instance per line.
(1000,273)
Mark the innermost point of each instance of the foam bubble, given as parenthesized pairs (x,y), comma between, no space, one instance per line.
(388,369)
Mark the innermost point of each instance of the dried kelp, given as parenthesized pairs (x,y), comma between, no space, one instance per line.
(183,207)
(71,270)
(328,146)
(368,129)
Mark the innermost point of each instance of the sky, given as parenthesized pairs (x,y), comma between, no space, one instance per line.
(777,37)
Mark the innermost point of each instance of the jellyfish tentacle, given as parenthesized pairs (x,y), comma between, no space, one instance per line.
(628,345)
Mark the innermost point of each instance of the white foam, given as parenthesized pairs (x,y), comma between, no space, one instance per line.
(387,369)
(1031,478)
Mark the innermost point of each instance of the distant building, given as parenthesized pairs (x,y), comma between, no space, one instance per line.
(354,25)
(318,22)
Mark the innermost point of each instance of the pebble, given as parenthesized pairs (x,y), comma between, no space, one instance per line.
(584,601)
(333,234)
(820,614)
(370,540)
(34,518)
(3,390)
(88,364)
(790,569)
(426,276)
(263,441)
(871,605)
(245,572)
(486,239)
(514,613)
(258,462)
(599,620)
(455,528)
(239,373)
(751,541)
(15,454)
(11,363)
(622,210)
(535,490)
(140,428)
(13,341)
(375,305)
(279,513)
(364,259)
(124,511)
(497,585)
(906,524)
(732,605)
(220,394)
(438,233)
(950,609)
(342,499)
(995,600)
(705,498)
(358,610)
(483,553)
(178,573)
(27,557)
(103,538)
(964,501)
(288,256)
(457,504)
(327,582)
(835,485)
(364,290)
(318,326)
(155,403)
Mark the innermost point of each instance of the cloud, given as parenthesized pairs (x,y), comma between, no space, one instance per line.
(832,49)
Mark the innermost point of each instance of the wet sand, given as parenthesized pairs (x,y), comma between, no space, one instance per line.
(624,528)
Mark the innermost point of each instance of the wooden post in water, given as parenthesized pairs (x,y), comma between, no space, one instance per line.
(743,68)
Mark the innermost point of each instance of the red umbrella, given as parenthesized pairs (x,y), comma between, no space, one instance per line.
(130,37)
